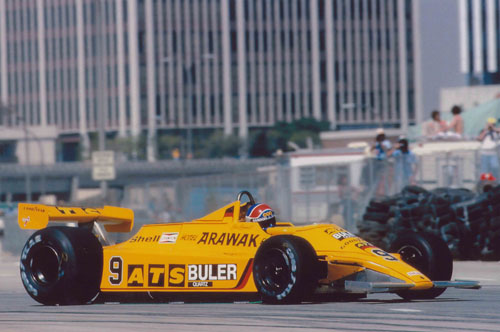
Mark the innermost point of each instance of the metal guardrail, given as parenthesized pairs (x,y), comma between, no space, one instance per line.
(58,177)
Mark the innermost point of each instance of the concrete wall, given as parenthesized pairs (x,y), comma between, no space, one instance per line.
(467,96)
(41,143)
(340,139)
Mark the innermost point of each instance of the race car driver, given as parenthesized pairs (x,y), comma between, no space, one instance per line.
(262,214)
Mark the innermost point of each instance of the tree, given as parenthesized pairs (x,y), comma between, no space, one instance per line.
(218,145)
(266,141)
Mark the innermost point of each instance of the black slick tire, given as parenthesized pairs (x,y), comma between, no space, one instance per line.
(62,265)
(285,270)
(428,254)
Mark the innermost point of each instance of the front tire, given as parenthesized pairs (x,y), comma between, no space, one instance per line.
(62,265)
(285,269)
(428,254)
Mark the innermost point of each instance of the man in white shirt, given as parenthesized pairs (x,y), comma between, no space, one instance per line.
(489,158)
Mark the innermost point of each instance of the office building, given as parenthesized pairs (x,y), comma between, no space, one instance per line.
(479,24)
(140,66)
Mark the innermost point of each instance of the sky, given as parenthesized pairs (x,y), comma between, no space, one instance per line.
(440,50)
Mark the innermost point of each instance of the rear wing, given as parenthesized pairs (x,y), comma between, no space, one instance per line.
(37,216)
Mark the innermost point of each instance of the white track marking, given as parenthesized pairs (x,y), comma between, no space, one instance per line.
(406,310)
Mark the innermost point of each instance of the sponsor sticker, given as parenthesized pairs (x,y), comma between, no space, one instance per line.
(169,237)
(173,275)
(365,245)
(200,284)
(135,275)
(156,275)
(34,209)
(228,239)
(348,242)
(414,273)
(200,275)
(144,239)
(339,235)
(188,237)
(343,235)
(176,275)
(206,272)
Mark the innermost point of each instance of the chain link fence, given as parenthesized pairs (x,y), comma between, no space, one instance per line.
(303,195)
(332,193)
(335,192)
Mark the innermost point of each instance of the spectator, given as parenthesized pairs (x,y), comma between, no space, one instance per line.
(381,167)
(382,145)
(435,127)
(456,126)
(405,164)
(489,138)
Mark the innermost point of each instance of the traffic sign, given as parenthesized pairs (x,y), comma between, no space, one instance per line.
(103,157)
(103,165)
(102,173)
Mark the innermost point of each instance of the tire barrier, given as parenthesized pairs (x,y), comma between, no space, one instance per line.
(468,222)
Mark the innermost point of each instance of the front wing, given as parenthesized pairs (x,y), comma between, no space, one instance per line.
(352,286)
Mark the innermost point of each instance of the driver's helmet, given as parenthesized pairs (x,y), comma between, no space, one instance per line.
(262,214)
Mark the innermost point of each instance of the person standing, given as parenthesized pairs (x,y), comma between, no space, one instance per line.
(489,137)
(381,166)
(456,126)
(382,145)
(405,164)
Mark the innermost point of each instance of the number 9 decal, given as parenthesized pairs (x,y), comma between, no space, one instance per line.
(384,255)
(116,270)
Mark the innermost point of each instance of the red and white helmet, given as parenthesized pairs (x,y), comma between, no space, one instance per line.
(262,214)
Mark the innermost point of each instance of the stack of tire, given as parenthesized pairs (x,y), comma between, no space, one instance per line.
(469,223)
(386,216)
(449,226)
(488,231)
(374,226)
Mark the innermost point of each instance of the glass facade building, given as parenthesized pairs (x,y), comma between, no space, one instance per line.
(479,22)
(137,66)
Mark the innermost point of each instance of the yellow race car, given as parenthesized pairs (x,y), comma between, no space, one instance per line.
(236,252)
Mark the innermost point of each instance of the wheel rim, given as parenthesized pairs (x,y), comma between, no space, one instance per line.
(413,256)
(276,271)
(45,265)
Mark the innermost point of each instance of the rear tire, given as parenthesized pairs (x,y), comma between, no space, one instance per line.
(428,254)
(285,270)
(62,265)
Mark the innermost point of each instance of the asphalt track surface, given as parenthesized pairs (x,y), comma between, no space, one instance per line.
(455,310)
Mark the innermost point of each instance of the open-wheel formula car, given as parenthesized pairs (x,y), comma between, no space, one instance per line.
(221,254)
